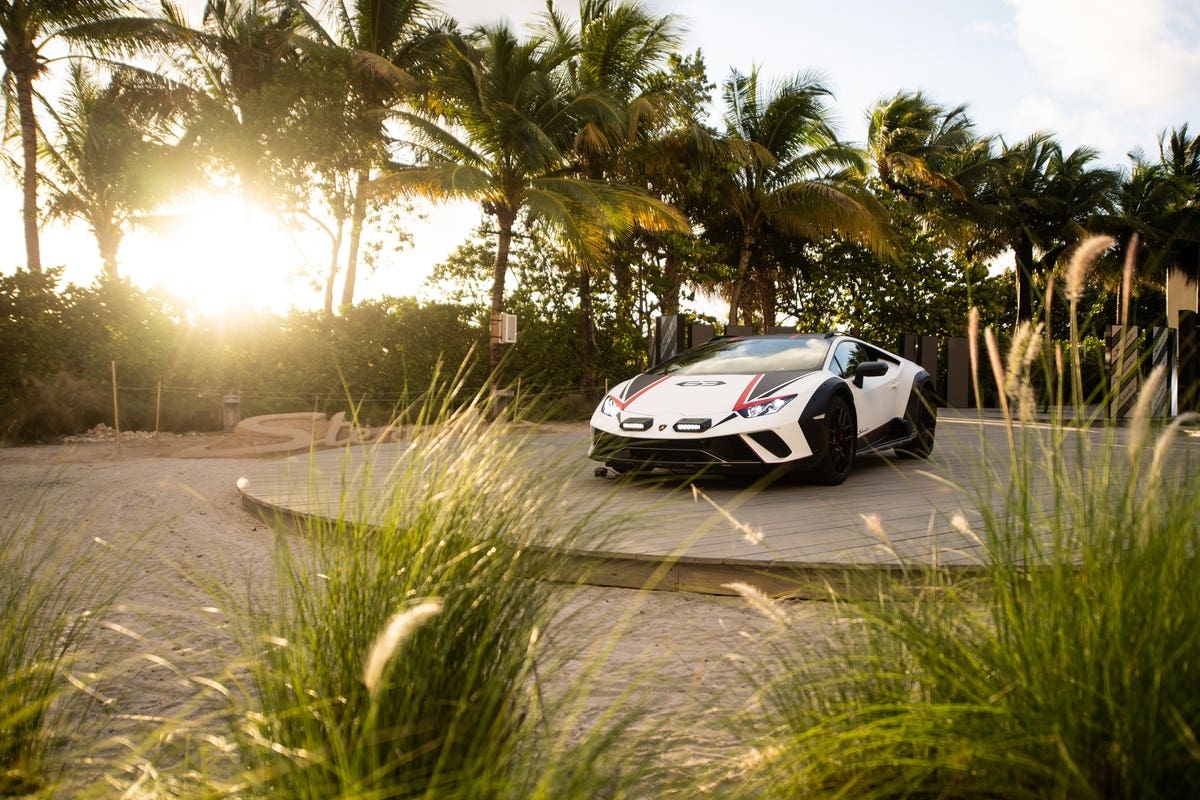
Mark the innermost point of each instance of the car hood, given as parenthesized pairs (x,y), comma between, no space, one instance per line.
(706,395)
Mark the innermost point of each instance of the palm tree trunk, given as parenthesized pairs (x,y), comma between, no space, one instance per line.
(767,302)
(357,218)
(33,247)
(624,295)
(1024,258)
(587,332)
(673,275)
(505,220)
(108,241)
(335,248)
(739,282)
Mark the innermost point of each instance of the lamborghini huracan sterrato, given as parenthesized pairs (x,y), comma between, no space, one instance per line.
(758,403)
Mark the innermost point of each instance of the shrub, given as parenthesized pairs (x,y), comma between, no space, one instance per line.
(395,657)
(56,405)
(53,592)
(1070,670)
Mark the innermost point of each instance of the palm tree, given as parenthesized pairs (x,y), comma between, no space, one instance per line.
(683,162)
(107,164)
(619,46)
(232,61)
(29,28)
(389,51)
(1159,200)
(1179,156)
(790,171)
(619,49)
(506,142)
(930,162)
(915,142)
(1083,201)
(1039,202)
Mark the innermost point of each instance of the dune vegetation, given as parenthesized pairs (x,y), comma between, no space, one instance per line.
(406,658)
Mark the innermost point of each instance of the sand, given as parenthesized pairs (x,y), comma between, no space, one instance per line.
(181,530)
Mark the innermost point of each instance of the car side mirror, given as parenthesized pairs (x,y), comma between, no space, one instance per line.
(869,369)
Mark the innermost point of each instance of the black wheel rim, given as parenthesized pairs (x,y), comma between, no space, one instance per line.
(841,437)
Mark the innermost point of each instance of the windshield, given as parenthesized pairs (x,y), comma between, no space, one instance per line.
(748,356)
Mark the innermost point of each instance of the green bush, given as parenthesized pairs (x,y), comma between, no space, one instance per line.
(53,406)
(59,346)
(397,659)
(1069,670)
(55,590)
(34,337)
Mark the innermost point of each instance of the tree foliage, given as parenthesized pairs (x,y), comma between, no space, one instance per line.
(58,346)
(586,144)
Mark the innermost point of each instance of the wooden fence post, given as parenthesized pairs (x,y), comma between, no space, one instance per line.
(1124,369)
(116,414)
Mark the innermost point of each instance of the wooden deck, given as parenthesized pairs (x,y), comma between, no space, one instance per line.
(789,537)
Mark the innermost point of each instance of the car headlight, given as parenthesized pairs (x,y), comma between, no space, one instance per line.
(764,407)
(608,406)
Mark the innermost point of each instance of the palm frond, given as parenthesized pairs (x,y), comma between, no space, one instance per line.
(438,182)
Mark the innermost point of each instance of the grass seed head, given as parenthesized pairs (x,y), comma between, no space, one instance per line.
(399,628)
(1082,258)
(1139,424)
(760,602)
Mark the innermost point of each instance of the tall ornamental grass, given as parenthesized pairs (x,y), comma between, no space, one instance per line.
(399,658)
(1072,670)
(54,587)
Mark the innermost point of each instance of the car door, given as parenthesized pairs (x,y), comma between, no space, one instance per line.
(876,401)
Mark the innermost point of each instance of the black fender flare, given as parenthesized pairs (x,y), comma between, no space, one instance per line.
(813,428)
(922,384)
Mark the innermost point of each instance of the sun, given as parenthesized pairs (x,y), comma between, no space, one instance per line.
(221,256)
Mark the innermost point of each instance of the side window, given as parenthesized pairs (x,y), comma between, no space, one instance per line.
(847,357)
(875,354)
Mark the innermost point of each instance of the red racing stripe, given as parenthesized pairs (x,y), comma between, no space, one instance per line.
(623,404)
(741,401)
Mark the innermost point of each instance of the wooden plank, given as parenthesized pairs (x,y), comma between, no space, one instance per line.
(663,538)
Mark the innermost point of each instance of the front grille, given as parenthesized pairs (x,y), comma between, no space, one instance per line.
(676,452)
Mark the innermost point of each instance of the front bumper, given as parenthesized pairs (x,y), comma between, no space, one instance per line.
(743,452)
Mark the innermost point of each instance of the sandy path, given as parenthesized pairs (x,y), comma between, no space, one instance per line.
(181,523)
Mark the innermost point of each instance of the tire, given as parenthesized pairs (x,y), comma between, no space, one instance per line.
(926,423)
(841,443)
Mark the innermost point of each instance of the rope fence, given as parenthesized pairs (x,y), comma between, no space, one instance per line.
(199,407)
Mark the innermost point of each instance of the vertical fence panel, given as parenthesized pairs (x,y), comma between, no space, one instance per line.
(927,357)
(1162,354)
(668,337)
(701,333)
(958,372)
(1124,371)
(1189,362)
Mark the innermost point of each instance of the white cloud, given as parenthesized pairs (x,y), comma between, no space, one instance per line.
(1118,54)
(1074,127)
(1039,113)
(518,13)
(988,29)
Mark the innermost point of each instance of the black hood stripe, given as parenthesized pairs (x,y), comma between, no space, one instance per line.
(773,382)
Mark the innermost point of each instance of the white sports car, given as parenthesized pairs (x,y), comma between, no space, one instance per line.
(756,403)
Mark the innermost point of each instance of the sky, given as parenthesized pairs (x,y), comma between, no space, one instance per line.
(1099,73)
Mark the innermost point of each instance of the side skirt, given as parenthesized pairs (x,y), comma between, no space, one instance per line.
(895,433)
